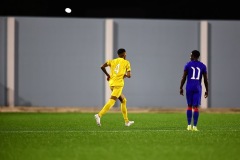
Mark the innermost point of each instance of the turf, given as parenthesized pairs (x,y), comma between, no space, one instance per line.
(70,136)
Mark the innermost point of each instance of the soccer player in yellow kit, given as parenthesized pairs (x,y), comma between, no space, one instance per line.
(120,68)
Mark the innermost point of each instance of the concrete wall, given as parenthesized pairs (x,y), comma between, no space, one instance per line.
(58,61)
(224,63)
(158,51)
(2,61)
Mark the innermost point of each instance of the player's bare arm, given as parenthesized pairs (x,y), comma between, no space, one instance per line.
(184,77)
(206,84)
(103,67)
(128,74)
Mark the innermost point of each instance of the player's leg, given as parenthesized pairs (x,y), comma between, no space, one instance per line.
(189,117)
(196,104)
(111,101)
(123,100)
(189,98)
(195,118)
(106,107)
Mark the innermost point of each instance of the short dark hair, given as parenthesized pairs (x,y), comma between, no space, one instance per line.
(121,50)
(196,53)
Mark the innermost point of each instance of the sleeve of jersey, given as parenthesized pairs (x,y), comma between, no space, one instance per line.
(186,67)
(109,62)
(128,67)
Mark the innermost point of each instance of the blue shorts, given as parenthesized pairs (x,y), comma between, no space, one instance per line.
(193,98)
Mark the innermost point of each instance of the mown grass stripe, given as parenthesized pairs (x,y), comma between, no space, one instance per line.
(112,131)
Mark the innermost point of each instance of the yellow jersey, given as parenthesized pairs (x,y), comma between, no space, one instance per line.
(118,68)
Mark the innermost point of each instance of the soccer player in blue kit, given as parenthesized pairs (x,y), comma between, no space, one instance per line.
(194,70)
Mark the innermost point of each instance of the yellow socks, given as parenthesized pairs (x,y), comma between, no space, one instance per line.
(124,109)
(107,106)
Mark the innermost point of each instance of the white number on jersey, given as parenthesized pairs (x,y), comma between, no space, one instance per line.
(117,68)
(194,73)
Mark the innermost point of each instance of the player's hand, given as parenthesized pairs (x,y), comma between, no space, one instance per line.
(126,76)
(206,94)
(181,92)
(108,77)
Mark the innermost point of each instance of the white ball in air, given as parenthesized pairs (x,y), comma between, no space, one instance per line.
(68,10)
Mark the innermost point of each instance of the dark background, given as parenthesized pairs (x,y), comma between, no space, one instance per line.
(163,9)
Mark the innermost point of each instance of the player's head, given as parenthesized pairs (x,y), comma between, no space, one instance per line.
(195,54)
(122,53)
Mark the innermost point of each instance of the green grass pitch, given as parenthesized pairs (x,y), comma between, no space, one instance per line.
(163,136)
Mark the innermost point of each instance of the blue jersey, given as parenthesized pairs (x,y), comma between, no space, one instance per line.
(195,70)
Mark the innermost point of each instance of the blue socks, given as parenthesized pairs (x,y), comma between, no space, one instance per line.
(195,116)
(189,115)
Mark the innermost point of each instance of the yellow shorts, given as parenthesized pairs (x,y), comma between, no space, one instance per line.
(116,91)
